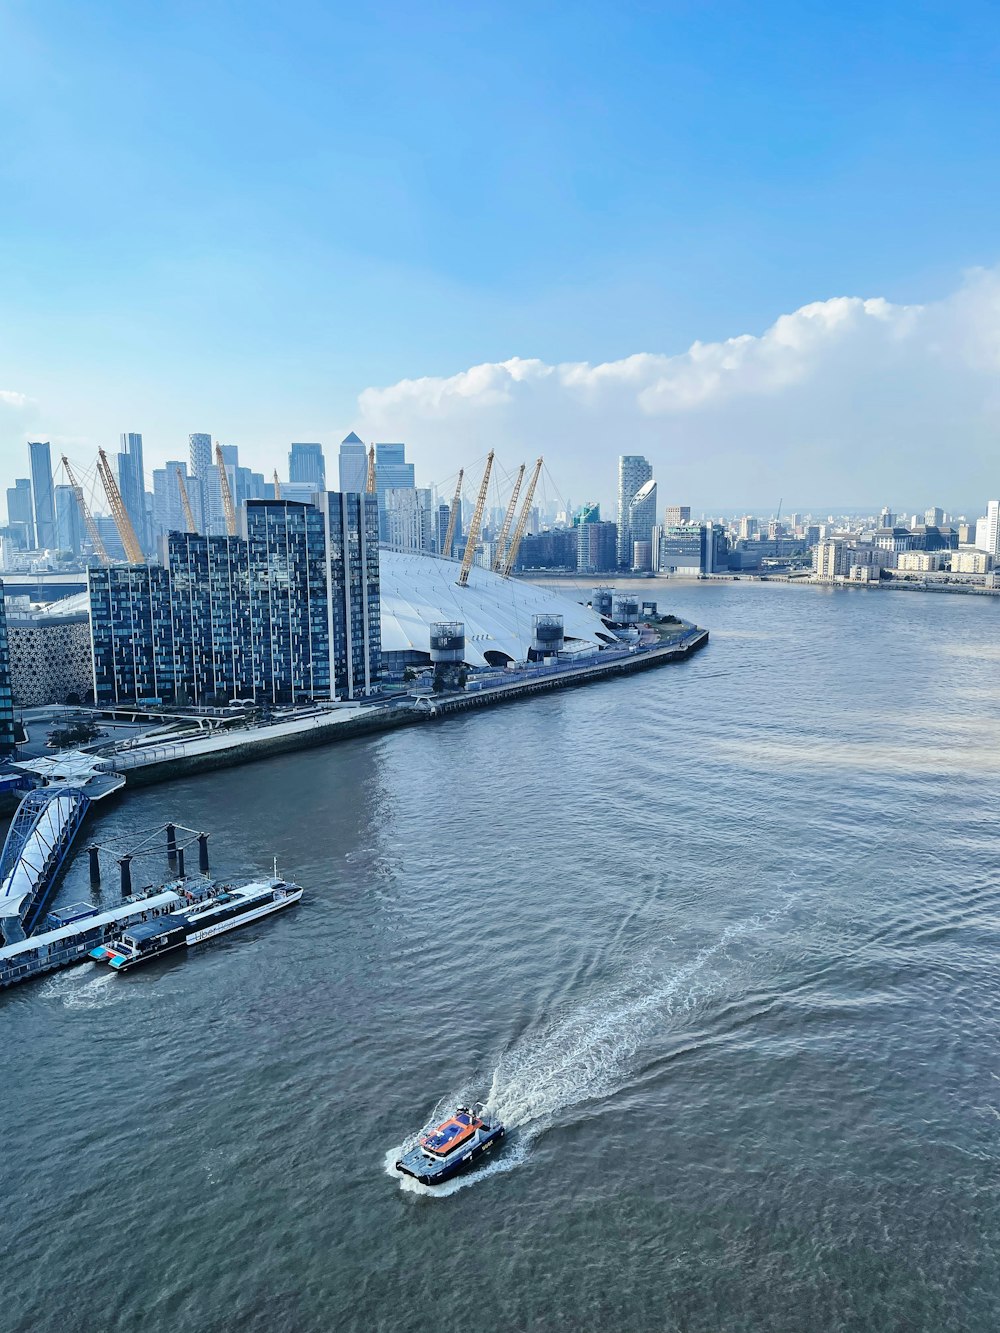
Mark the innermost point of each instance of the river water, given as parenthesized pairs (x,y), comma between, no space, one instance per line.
(720,942)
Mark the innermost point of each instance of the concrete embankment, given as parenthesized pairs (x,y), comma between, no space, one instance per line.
(160,763)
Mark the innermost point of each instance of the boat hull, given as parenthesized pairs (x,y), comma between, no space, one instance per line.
(417,1165)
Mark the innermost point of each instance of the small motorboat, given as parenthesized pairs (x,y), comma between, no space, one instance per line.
(452,1146)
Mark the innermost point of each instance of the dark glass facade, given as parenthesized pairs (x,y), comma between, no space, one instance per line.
(288,614)
(354,597)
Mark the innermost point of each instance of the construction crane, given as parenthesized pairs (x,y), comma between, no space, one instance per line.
(370,485)
(87,516)
(508,519)
(474,526)
(185,502)
(453,516)
(133,551)
(277,485)
(227,495)
(522,523)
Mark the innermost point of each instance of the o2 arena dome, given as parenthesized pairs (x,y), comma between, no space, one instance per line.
(419,590)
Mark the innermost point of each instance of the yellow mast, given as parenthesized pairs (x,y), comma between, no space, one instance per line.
(370,485)
(522,522)
(508,519)
(133,551)
(185,502)
(476,524)
(227,495)
(453,516)
(88,518)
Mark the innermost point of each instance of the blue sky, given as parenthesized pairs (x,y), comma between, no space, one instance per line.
(239,217)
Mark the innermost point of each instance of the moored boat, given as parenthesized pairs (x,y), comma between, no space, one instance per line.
(456,1144)
(222,912)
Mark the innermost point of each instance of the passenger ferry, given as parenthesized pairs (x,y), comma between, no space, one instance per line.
(452,1146)
(223,911)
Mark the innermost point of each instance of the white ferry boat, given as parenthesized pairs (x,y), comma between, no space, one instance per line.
(222,912)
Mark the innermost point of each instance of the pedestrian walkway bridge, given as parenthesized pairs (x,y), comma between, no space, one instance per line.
(41,836)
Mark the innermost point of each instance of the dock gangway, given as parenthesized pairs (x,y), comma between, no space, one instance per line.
(38,842)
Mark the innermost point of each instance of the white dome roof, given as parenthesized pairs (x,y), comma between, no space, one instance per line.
(419,589)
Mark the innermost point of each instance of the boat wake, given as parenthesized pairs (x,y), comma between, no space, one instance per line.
(587,1054)
(84,987)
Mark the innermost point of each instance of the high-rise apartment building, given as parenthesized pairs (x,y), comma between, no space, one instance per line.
(352,465)
(633,473)
(354,601)
(132,484)
(20,513)
(596,547)
(7,746)
(933,518)
(409,518)
(306,463)
(40,458)
(288,613)
(204,479)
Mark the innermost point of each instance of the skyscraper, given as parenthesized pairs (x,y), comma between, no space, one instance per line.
(132,484)
(353,465)
(642,520)
(20,512)
(306,463)
(168,507)
(392,472)
(354,604)
(633,473)
(203,475)
(41,488)
(69,526)
(988,529)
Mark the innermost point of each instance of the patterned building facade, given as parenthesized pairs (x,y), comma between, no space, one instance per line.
(287,614)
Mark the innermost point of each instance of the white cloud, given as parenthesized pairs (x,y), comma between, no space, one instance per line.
(10,398)
(842,400)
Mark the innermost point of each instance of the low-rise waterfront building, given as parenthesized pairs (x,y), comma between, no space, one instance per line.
(971,562)
(918,562)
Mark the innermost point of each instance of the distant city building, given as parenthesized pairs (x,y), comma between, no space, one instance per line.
(131,483)
(353,465)
(690,549)
(918,561)
(642,515)
(69,524)
(831,559)
(552,548)
(306,463)
(409,519)
(202,471)
(674,515)
(747,527)
(168,507)
(392,472)
(887,519)
(588,513)
(971,562)
(7,746)
(20,513)
(988,529)
(40,458)
(634,472)
(302,492)
(50,660)
(596,547)
(933,518)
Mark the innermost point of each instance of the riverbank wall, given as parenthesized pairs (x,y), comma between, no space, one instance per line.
(164,762)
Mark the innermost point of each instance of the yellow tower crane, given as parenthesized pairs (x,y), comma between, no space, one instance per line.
(185,502)
(133,551)
(87,516)
(475,525)
(453,516)
(522,522)
(508,519)
(227,496)
(371,486)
